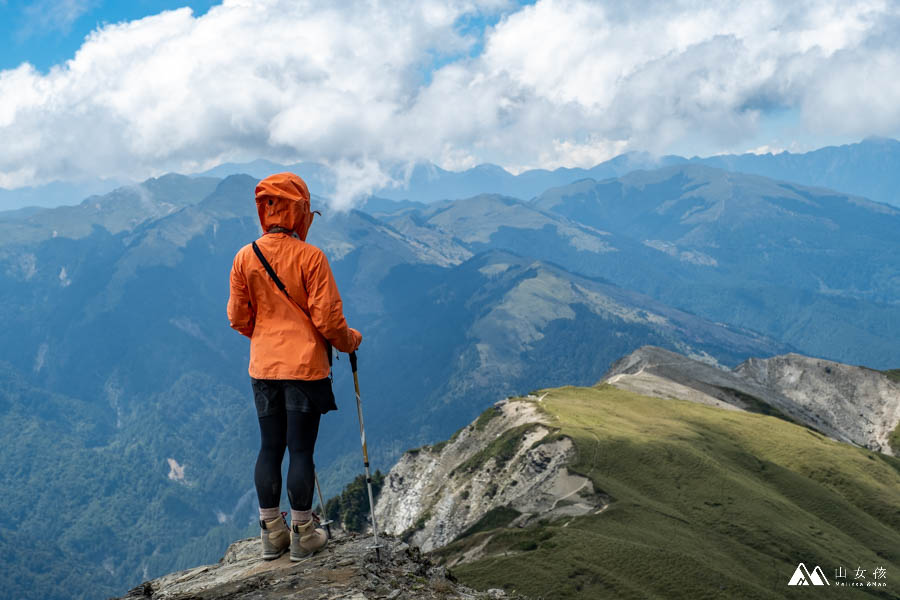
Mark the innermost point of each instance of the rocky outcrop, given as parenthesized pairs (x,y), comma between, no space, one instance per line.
(850,404)
(861,405)
(346,569)
(508,465)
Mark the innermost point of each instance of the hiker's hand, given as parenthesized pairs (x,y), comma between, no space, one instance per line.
(357,336)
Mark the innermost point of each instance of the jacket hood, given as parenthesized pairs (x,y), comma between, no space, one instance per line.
(282,200)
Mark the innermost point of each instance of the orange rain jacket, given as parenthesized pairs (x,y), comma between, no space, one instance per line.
(284,342)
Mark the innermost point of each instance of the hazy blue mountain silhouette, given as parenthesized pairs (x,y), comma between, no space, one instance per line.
(55,193)
(870,168)
(119,210)
(427,182)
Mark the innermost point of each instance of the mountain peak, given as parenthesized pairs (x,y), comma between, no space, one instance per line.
(877,140)
(491,168)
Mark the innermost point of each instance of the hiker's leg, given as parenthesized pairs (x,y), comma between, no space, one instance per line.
(269,398)
(302,430)
(267,476)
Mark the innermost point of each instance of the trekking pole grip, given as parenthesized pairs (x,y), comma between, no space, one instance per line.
(353,361)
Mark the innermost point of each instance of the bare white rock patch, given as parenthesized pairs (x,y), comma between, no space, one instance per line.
(431,497)
(176,471)
(64,279)
(41,357)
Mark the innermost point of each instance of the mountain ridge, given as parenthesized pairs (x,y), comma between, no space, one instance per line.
(829,397)
(657,484)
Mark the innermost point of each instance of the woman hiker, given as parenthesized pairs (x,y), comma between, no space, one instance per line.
(291,332)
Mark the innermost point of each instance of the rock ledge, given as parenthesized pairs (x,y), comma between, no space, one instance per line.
(346,569)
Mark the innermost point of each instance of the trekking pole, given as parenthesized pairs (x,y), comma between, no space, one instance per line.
(362,435)
(327,523)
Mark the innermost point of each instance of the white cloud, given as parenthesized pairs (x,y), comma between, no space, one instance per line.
(765,149)
(653,73)
(356,179)
(560,82)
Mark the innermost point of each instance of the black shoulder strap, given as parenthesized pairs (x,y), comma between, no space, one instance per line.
(281,287)
(274,276)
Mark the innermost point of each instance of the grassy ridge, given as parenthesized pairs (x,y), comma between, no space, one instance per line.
(707,503)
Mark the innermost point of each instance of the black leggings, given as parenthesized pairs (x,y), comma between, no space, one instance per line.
(297,431)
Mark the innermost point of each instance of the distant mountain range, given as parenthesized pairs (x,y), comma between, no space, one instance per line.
(812,268)
(114,313)
(56,193)
(804,266)
(870,168)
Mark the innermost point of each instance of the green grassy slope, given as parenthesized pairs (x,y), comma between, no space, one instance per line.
(707,503)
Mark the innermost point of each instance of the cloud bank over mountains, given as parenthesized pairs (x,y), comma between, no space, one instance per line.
(363,85)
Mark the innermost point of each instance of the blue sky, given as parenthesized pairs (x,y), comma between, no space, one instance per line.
(128,90)
(49,32)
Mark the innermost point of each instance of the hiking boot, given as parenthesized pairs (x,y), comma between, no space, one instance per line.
(306,539)
(276,538)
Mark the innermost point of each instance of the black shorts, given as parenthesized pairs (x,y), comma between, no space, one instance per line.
(274,396)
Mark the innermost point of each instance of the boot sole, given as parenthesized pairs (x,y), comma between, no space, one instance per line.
(271,556)
(297,558)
